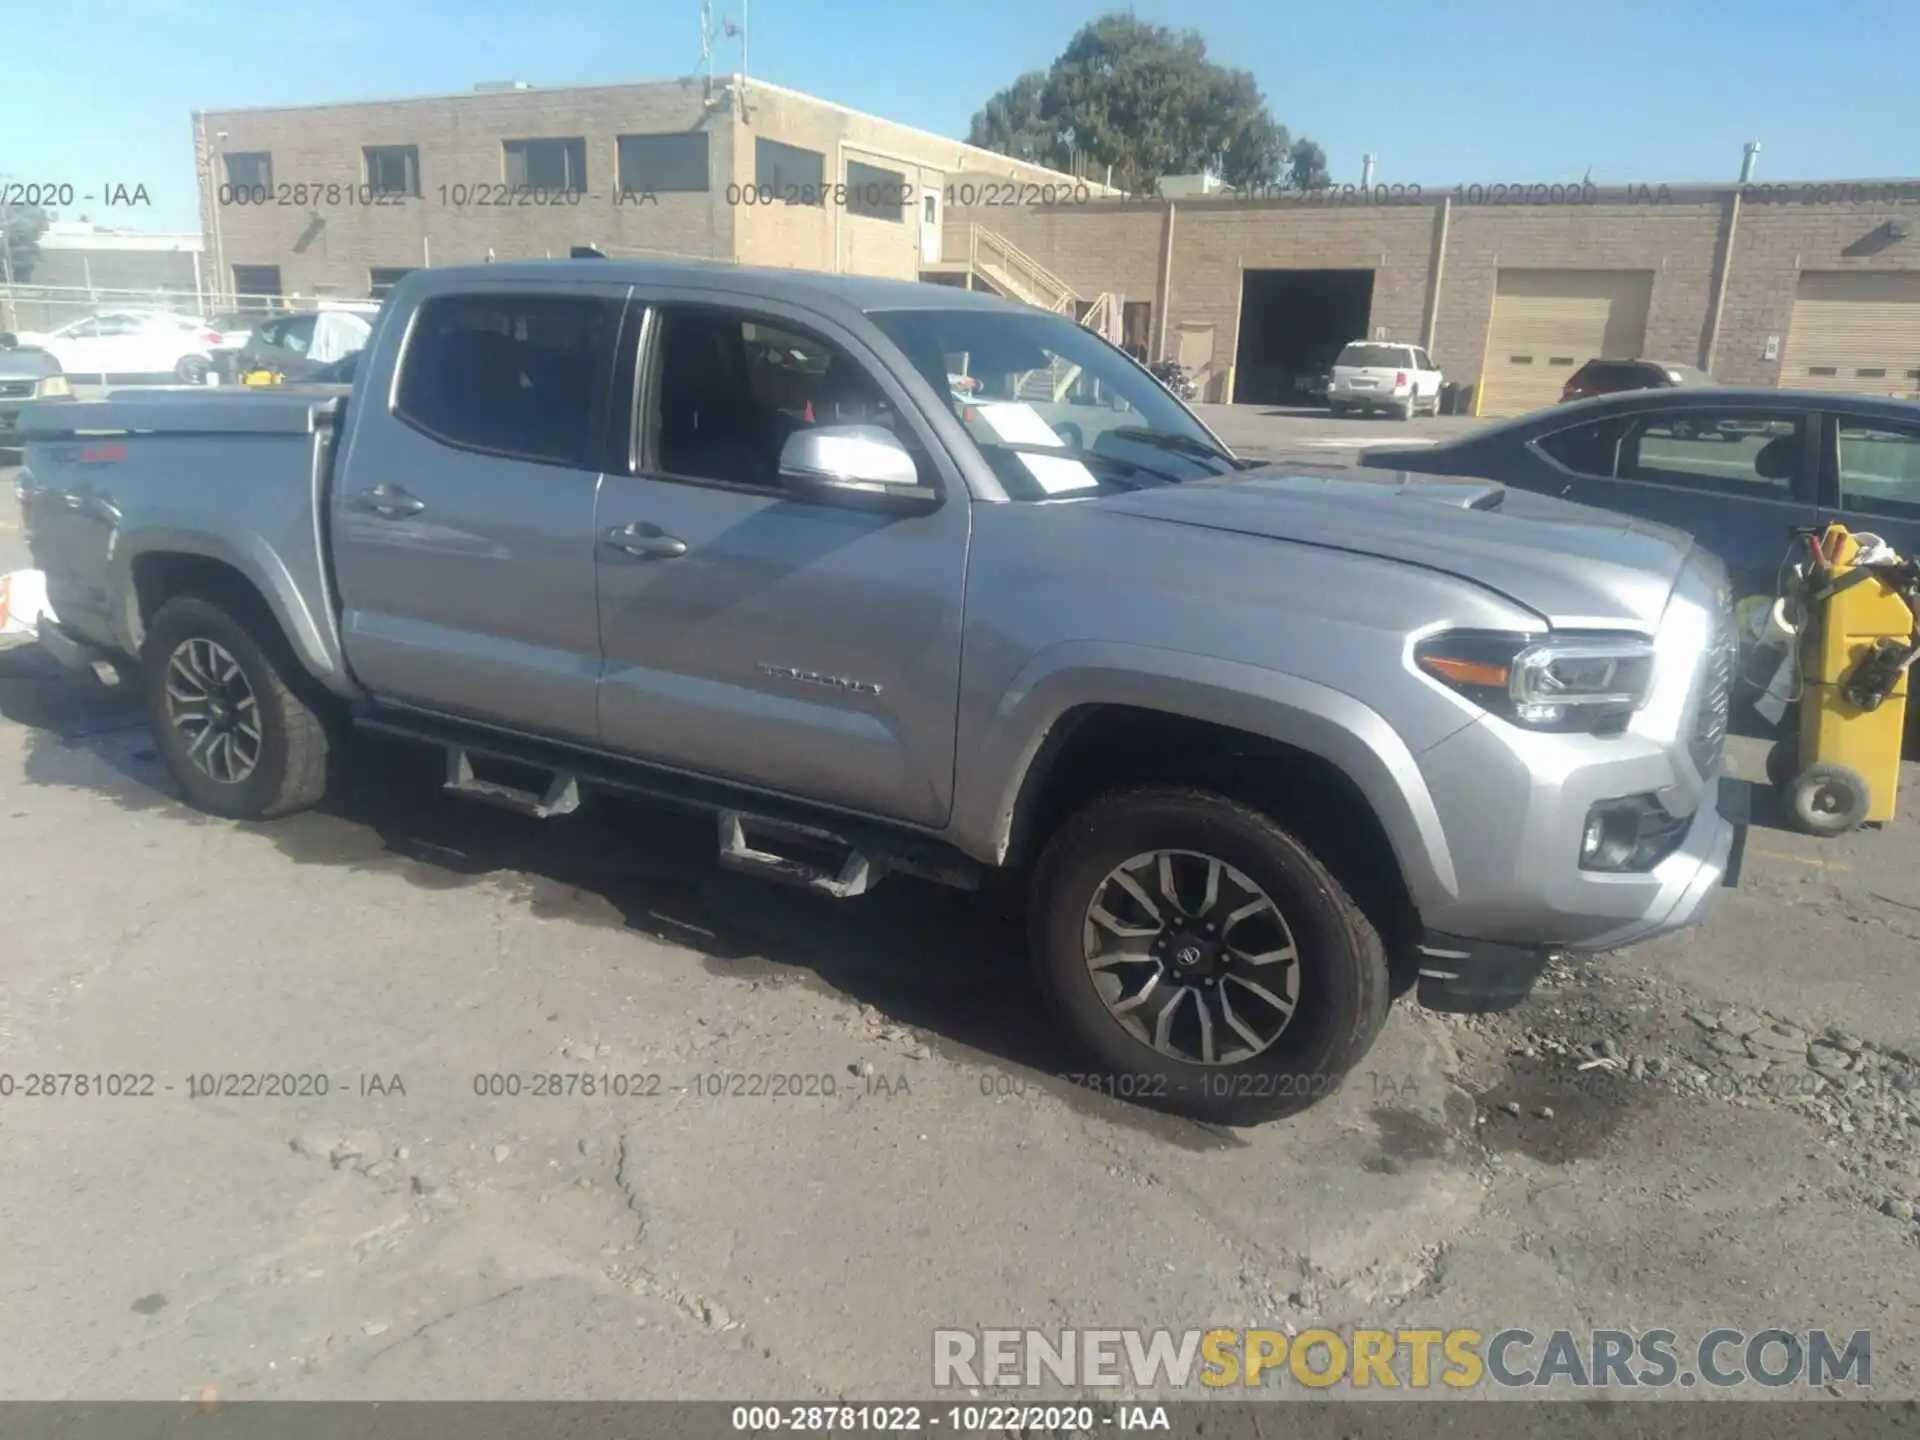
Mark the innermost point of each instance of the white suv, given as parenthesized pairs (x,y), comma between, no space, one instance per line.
(1378,375)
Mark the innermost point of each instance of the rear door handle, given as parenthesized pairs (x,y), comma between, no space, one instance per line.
(391,501)
(647,541)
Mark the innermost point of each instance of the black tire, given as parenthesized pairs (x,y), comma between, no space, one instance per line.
(1828,798)
(1343,986)
(1783,763)
(193,370)
(291,769)
(1405,412)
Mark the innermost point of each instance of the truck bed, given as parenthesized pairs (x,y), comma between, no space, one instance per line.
(107,480)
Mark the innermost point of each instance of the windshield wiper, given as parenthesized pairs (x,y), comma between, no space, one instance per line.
(1178,444)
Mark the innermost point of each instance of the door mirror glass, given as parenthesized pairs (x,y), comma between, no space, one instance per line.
(858,465)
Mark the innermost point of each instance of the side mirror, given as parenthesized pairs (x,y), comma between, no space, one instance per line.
(9,340)
(860,466)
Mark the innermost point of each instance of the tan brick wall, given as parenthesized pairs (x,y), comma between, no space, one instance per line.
(459,140)
(1677,236)
(1675,241)
(809,237)
(1772,245)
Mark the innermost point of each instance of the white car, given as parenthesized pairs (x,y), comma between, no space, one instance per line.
(132,342)
(1380,375)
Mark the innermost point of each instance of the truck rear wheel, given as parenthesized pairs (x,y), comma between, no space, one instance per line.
(236,736)
(1203,957)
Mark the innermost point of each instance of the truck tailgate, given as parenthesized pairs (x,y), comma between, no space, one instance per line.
(231,474)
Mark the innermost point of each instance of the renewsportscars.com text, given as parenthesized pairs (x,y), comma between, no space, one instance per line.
(1362,1359)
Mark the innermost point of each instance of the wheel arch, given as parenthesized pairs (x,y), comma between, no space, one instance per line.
(1096,714)
(162,565)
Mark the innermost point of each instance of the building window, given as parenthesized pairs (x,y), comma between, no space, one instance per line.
(546,164)
(257,287)
(875,193)
(252,170)
(518,376)
(381,279)
(393,169)
(788,173)
(663,163)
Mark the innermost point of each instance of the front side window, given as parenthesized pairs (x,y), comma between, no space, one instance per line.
(517,376)
(730,389)
(546,164)
(1054,409)
(1737,452)
(1879,468)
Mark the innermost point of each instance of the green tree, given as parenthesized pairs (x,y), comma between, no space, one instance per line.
(1306,166)
(21,227)
(1146,101)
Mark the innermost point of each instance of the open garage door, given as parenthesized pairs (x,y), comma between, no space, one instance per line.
(1548,323)
(1855,333)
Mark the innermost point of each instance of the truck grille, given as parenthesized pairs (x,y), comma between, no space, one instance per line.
(16,389)
(1708,742)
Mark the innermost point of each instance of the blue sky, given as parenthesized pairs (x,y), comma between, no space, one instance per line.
(1501,90)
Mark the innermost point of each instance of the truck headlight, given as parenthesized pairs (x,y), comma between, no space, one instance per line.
(1555,682)
(54,385)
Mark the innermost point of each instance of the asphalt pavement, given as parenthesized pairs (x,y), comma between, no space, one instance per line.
(820,1131)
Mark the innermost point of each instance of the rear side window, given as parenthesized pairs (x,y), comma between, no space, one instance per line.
(1591,449)
(520,376)
(1376,357)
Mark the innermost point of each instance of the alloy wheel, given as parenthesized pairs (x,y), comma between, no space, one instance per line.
(1191,957)
(213,707)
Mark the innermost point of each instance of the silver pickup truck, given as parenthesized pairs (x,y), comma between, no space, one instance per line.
(1268,745)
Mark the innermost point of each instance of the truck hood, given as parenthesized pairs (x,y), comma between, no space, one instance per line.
(1574,566)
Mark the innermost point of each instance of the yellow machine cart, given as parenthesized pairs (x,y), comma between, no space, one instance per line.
(1842,769)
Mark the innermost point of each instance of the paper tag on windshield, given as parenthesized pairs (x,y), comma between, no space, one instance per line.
(1020,424)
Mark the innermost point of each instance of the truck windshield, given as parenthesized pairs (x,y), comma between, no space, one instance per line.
(1055,410)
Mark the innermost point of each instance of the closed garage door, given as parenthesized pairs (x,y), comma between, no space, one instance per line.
(1859,334)
(1548,323)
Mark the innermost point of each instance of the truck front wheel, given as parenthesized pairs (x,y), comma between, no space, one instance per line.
(1203,957)
(236,736)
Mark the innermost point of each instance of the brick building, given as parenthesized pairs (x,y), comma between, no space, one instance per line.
(1807,285)
(1815,285)
(343,199)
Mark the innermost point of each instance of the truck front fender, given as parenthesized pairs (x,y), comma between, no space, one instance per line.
(311,635)
(997,761)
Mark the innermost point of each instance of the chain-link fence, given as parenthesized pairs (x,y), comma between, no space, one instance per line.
(45,309)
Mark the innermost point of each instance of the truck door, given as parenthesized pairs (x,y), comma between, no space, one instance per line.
(463,512)
(802,647)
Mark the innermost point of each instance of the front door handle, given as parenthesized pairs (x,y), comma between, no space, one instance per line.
(647,541)
(391,501)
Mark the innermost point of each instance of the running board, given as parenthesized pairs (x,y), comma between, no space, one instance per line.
(562,796)
(856,874)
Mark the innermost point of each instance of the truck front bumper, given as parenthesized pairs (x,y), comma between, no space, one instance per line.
(1472,976)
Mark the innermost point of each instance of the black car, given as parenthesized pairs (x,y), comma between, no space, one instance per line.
(26,374)
(1740,469)
(1613,377)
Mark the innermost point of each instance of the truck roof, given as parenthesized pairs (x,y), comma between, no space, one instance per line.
(861,292)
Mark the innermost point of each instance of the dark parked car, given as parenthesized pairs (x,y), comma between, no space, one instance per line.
(1611,377)
(1738,468)
(26,374)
